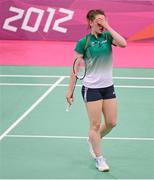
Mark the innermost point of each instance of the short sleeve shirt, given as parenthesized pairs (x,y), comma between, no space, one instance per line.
(98,57)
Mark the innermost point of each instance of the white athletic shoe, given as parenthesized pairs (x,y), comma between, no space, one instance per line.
(91,149)
(101,164)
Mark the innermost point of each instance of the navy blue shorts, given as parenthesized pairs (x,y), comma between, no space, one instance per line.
(90,94)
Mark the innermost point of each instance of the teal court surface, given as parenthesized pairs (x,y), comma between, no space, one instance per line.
(40,140)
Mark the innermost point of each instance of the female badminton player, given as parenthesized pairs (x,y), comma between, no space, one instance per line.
(98,90)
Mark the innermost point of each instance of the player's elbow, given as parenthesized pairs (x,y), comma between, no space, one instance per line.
(123,44)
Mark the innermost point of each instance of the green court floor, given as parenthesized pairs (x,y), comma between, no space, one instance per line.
(40,140)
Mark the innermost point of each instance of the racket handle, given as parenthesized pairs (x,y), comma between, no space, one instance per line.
(68,108)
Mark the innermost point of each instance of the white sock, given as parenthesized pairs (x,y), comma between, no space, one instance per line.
(99,157)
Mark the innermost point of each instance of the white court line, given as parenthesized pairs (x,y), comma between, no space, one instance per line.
(63,85)
(140,87)
(134,78)
(79,137)
(55,76)
(31,108)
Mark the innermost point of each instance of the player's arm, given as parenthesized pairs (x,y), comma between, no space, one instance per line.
(118,40)
(69,94)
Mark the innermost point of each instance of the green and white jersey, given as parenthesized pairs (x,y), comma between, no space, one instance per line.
(98,57)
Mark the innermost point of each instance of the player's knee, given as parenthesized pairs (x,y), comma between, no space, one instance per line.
(96,127)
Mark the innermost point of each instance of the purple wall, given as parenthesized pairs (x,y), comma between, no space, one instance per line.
(64,20)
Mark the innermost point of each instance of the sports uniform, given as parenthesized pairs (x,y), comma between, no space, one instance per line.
(98,83)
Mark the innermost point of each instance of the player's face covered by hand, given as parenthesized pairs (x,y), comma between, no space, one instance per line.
(97,25)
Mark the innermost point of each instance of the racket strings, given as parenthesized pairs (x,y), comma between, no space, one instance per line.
(79,68)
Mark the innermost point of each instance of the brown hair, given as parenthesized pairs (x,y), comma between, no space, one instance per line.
(92,14)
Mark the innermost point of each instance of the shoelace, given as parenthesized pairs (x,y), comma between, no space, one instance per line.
(101,160)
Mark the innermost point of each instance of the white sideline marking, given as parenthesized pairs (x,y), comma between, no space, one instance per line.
(62,85)
(78,137)
(55,76)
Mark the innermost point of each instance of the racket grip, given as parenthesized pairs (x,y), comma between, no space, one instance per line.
(68,108)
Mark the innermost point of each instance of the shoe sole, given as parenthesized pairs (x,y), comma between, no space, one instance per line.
(105,170)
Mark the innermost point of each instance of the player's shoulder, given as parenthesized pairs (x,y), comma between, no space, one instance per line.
(106,33)
(83,39)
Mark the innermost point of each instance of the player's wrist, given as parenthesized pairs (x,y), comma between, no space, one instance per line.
(108,27)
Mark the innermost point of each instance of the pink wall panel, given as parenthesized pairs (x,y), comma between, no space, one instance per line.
(64,20)
(52,53)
